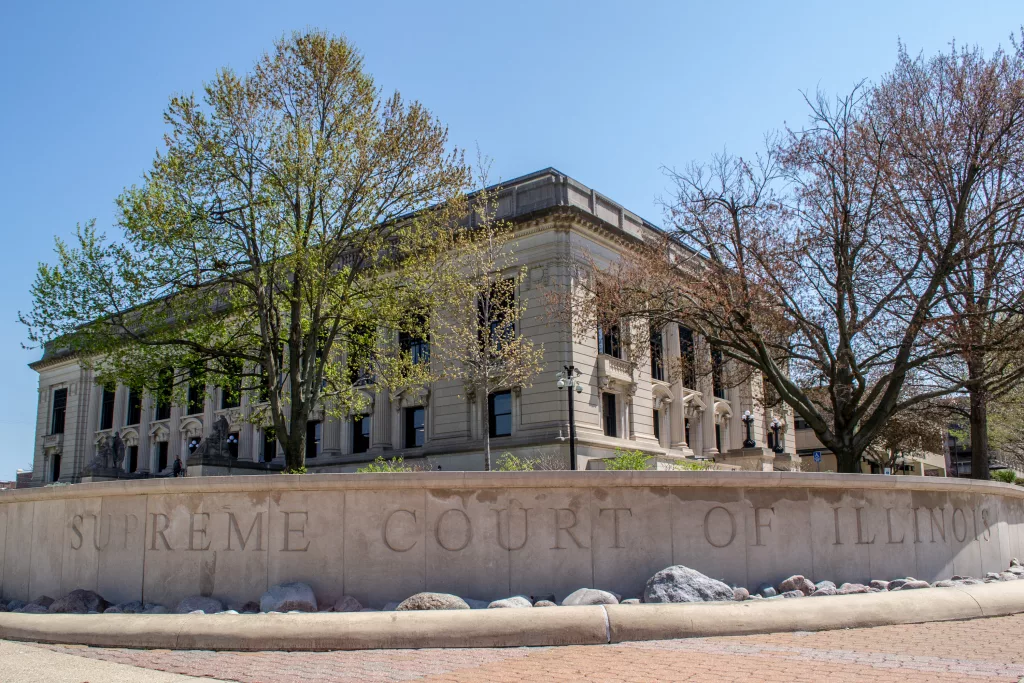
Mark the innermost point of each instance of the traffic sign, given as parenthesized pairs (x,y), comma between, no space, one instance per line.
(817,456)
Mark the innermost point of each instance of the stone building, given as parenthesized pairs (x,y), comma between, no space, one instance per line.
(622,406)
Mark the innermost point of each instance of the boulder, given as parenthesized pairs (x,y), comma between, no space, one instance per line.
(15,605)
(347,603)
(288,597)
(545,603)
(682,584)
(879,584)
(43,601)
(590,596)
(79,601)
(825,590)
(766,590)
(197,603)
(797,582)
(795,593)
(946,583)
(1007,576)
(916,583)
(422,601)
(513,602)
(897,583)
(630,601)
(740,594)
(851,588)
(32,608)
(824,584)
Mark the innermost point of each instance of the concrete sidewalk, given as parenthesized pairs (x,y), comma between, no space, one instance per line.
(27,664)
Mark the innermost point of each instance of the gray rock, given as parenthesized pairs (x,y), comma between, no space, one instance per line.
(591,596)
(550,597)
(199,611)
(795,593)
(879,584)
(131,607)
(513,602)
(824,584)
(756,596)
(630,601)
(1014,562)
(797,583)
(347,603)
(288,597)
(896,583)
(32,608)
(424,601)
(113,609)
(851,588)
(390,607)
(682,584)
(79,601)
(946,583)
(229,611)
(992,575)
(916,583)
(43,601)
(766,590)
(740,594)
(544,603)
(825,590)
(156,609)
(198,603)
(1007,576)
(15,605)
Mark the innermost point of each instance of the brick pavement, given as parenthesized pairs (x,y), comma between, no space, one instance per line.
(976,650)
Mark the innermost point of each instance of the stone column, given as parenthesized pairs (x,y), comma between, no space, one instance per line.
(380,429)
(92,423)
(210,392)
(331,436)
(146,458)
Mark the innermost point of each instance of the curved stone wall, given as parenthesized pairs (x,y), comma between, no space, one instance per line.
(383,537)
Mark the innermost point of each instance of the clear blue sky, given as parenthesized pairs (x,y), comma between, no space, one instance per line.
(606,92)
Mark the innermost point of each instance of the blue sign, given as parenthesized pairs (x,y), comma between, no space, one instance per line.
(817,456)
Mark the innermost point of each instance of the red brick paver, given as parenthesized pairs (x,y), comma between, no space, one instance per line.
(976,650)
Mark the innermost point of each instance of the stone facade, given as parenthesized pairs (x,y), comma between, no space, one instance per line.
(556,217)
(383,537)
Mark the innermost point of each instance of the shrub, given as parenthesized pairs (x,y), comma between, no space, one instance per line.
(294,470)
(627,460)
(698,465)
(396,464)
(507,462)
(1007,476)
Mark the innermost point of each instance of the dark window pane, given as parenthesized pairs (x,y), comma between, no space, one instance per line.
(231,392)
(134,407)
(608,341)
(60,407)
(414,427)
(361,434)
(610,417)
(162,448)
(56,467)
(687,358)
(313,438)
(269,444)
(164,391)
(133,458)
(657,424)
(657,357)
(107,408)
(499,409)
(717,375)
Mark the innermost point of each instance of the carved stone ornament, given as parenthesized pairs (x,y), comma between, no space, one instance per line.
(215,445)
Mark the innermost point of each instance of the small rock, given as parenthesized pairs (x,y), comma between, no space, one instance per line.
(896,583)
(797,583)
(756,596)
(32,608)
(14,605)
(347,603)
(550,597)
(682,584)
(199,611)
(79,601)
(851,588)
(198,603)
(545,603)
(250,607)
(390,607)
(591,596)
(229,611)
(156,609)
(131,607)
(875,590)
(1007,576)
(945,583)
(766,590)
(630,601)
(113,609)
(430,601)
(825,590)
(513,602)
(288,597)
(43,601)
(1015,562)
(879,584)
(916,583)
(795,593)
(824,584)
(740,594)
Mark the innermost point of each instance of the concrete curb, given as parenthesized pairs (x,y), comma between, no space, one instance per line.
(512,627)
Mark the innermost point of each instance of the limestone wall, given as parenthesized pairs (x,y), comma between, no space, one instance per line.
(384,537)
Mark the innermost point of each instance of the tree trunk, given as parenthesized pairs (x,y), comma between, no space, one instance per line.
(979,435)
(847,461)
(487,438)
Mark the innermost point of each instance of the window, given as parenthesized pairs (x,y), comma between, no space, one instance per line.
(134,407)
(657,356)
(415,432)
(610,416)
(60,407)
(314,433)
(231,392)
(717,374)
(162,448)
(133,458)
(269,444)
(233,445)
(771,440)
(499,413)
(107,408)
(800,423)
(417,344)
(689,375)
(686,431)
(193,444)
(55,472)
(496,313)
(718,437)
(164,392)
(196,393)
(657,424)
(361,434)
(608,341)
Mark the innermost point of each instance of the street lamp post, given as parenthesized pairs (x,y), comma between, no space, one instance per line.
(748,420)
(776,426)
(569,379)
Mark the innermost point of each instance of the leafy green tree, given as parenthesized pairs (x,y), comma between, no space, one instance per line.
(277,244)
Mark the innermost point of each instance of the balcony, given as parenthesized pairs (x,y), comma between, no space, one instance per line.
(614,373)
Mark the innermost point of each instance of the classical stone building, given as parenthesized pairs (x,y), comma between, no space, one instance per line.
(621,406)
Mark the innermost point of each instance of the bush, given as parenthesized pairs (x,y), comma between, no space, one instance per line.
(396,464)
(294,470)
(1007,476)
(627,460)
(507,462)
(699,465)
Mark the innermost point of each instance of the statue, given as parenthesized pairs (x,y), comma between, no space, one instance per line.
(117,450)
(104,456)
(216,444)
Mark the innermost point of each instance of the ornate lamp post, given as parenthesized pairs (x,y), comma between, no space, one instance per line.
(776,426)
(748,420)
(569,380)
